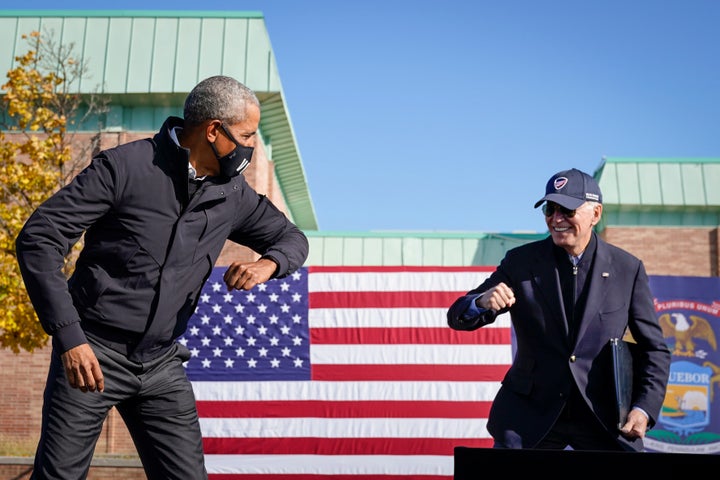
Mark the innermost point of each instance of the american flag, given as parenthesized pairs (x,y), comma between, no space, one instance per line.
(342,373)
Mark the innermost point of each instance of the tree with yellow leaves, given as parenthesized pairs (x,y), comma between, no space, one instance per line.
(37,157)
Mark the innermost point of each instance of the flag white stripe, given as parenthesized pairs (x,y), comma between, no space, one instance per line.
(346,391)
(395,281)
(387,317)
(410,465)
(410,355)
(471,428)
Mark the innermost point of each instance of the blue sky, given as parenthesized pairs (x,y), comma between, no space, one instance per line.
(417,115)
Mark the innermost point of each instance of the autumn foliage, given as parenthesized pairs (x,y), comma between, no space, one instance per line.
(35,161)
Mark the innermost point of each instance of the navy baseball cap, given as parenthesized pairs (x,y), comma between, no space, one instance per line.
(570,189)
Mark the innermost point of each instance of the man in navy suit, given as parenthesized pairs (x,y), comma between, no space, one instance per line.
(568,295)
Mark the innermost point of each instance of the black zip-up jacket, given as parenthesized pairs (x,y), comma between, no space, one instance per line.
(148,248)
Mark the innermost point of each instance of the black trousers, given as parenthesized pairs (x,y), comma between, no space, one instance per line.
(155,400)
(578,428)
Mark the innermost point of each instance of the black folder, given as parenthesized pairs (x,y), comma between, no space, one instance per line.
(622,363)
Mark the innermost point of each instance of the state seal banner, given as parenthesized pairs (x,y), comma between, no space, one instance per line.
(688,309)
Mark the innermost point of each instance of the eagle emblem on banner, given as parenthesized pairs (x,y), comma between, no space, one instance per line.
(685,332)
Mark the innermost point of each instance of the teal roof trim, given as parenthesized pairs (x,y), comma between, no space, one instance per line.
(277,132)
(133,13)
(644,219)
(661,159)
(428,234)
(412,248)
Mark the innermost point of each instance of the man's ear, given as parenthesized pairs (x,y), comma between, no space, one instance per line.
(597,213)
(212,130)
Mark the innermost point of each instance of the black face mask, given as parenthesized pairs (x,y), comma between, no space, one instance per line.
(235,162)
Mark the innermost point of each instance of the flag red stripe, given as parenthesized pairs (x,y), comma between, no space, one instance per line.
(424,336)
(450,373)
(398,268)
(432,299)
(339,446)
(342,409)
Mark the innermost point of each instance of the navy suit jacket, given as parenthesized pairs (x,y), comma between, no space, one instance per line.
(547,361)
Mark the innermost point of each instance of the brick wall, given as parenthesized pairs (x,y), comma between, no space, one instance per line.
(680,251)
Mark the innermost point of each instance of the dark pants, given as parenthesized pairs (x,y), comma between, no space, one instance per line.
(578,428)
(156,401)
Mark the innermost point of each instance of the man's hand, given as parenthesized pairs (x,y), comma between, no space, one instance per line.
(635,426)
(499,297)
(82,369)
(244,276)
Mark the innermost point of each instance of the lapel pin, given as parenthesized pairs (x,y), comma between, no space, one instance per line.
(605,274)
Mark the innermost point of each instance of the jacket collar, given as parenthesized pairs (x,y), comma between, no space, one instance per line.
(172,157)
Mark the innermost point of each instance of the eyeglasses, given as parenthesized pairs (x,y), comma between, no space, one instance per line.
(550,208)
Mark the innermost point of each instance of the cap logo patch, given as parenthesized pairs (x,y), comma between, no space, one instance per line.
(560,182)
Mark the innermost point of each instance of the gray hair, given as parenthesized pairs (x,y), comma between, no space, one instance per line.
(218,97)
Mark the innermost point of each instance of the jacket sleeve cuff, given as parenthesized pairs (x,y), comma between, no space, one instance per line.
(280,261)
(69,337)
(465,314)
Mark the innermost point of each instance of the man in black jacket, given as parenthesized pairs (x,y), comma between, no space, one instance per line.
(567,296)
(155,214)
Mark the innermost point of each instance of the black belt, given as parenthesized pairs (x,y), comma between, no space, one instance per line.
(119,340)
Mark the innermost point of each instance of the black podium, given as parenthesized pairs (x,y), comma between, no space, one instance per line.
(480,463)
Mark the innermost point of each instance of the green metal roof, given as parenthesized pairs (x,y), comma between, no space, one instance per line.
(660,191)
(147,61)
(152,52)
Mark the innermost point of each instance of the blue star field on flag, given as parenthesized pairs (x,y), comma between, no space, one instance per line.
(255,335)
